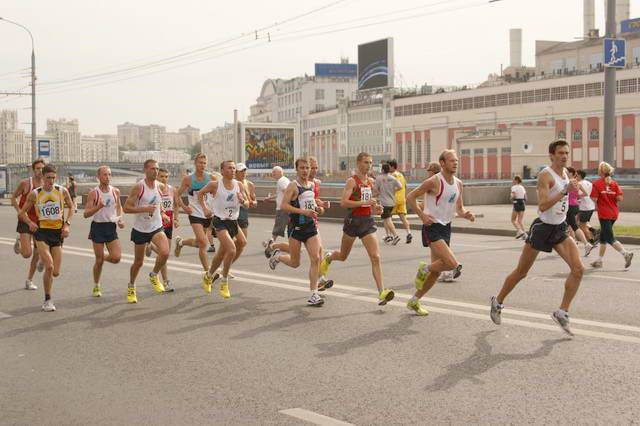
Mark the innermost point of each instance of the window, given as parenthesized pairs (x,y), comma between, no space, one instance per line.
(576,91)
(542,95)
(515,98)
(417,109)
(506,150)
(503,99)
(319,107)
(319,94)
(467,103)
(627,86)
(594,134)
(577,135)
(397,111)
(593,89)
(528,96)
(559,93)
(339,94)
(478,102)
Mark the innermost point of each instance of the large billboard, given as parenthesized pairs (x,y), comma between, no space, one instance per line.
(268,146)
(375,64)
(337,70)
(630,25)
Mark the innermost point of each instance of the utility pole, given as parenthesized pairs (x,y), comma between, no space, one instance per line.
(609,138)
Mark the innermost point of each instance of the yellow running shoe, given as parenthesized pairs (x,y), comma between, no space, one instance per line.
(324,265)
(421,276)
(131,295)
(154,279)
(224,289)
(385,296)
(207,282)
(97,291)
(415,306)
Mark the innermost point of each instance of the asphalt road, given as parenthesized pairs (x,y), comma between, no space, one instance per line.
(190,358)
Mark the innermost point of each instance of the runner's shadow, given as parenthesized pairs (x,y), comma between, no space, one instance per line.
(483,360)
(394,332)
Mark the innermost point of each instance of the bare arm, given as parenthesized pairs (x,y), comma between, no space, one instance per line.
(185,184)
(22,213)
(210,188)
(290,194)
(70,211)
(253,201)
(345,202)
(460,209)
(92,207)
(17,193)
(545,201)
(130,204)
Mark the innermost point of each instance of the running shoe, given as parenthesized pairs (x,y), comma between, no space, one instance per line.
(267,243)
(131,295)
(207,282)
(385,296)
(597,264)
(154,279)
(457,272)
(415,306)
(496,311)
(268,249)
(562,321)
(29,285)
(446,277)
(519,235)
(273,260)
(40,266)
(421,276)
(178,248)
(324,265)
(168,288)
(224,289)
(315,300)
(409,239)
(587,249)
(628,257)
(324,284)
(395,240)
(211,249)
(48,306)
(97,291)
(387,239)
(219,274)
(16,246)
(147,250)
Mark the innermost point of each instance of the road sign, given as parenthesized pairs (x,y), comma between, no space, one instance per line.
(615,55)
(44,147)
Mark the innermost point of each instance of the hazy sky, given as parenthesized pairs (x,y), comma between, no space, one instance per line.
(446,42)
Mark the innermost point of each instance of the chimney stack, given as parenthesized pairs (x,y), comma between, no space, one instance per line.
(589,17)
(515,47)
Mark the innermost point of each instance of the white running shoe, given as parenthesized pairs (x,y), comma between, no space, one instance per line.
(562,321)
(273,260)
(29,285)
(496,311)
(315,300)
(395,240)
(627,259)
(597,264)
(16,246)
(48,306)
(446,277)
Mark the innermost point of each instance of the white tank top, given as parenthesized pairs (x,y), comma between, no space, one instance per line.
(148,222)
(108,212)
(226,205)
(558,212)
(443,205)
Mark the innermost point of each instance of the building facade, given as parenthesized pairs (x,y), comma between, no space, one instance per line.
(15,147)
(65,140)
(162,157)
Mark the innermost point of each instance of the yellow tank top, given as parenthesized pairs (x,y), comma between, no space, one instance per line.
(50,207)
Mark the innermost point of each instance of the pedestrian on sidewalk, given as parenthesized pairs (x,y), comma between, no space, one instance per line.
(518,198)
(386,186)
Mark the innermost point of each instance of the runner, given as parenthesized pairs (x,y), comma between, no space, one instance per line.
(299,202)
(227,199)
(103,204)
(50,228)
(442,199)
(199,222)
(587,207)
(385,187)
(572,215)
(607,194)
(249,190)
(145,201)
(71,187)
(168,202)
(549,232)
(518,198)
(282,218)
(400,207)
(357,197)
(25,245)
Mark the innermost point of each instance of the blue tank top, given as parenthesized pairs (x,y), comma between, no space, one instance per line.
(197,186)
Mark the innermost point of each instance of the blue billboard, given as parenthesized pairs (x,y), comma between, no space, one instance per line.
(337,70)
(630,26)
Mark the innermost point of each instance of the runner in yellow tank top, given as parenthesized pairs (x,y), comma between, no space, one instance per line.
(400,208)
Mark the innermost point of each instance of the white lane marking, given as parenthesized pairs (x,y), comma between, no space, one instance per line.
(3,315)
(315,418)
(372,298)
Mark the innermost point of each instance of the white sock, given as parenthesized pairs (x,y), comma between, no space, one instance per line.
(413,299)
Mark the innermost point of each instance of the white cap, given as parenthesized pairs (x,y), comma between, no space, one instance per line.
(241,167)
(278,169)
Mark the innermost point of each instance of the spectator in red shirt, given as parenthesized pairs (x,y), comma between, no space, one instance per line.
(607,194)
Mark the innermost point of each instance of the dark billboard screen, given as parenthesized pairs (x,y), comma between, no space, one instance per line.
(374,65)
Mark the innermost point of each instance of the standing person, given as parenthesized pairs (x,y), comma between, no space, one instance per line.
(400,207)
(168,197)
(442,200)
(25,244)
(71,187)
(587,207)
(518,198)
(51,227)
(145,201)
(300,202)
(572,215)
(607,194)
(357,197)
(103,204)
(199,222)
(549,232)
(282,217)
(386,186)
(249,190)
(227,196)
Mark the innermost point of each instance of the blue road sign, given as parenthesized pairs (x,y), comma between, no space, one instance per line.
(44,147)
(615,55)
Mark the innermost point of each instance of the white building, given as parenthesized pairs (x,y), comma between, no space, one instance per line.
(219,144)
(65,140)
(99,149)
(192,136)
(15,148)
(177,141)
(129,136)
(162,157)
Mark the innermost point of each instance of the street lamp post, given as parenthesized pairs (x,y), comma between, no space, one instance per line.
(34,147)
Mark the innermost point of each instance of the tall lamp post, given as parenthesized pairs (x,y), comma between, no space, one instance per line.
(34,146)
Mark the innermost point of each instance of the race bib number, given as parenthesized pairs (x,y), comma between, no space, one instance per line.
(167,204)
(229,212)
(50,210)
(307,201)
(365,193)
(561,206)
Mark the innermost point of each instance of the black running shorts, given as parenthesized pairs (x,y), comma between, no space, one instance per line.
(23,228)
(544,236)
(52,237)
(571,217)
(359,226)
(585,216)
(386,212)
(518,205)
(103,232)
(139,238)
(200,221)
(436,232)
(302,232)
(168,231)
(231,226)
(606,231)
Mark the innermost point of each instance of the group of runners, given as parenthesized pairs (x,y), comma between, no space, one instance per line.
(220,202)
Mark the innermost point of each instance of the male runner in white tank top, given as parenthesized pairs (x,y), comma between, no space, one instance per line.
(549,232)
(442,200)
(103,204)
(145,201)
(228,196)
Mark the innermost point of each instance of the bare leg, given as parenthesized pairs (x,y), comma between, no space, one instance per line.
(138,261)
(47,260)
(370,243)
(33,264)
(345,249)
(162,245)
(239,249)
(292,259)
(313,250)
(442,259)
(225,255)
(98,251)
(568,250)
(200,242)
(520,221)
(405,222)
(283,246)
(527,258)
(163,270)
(514,220)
